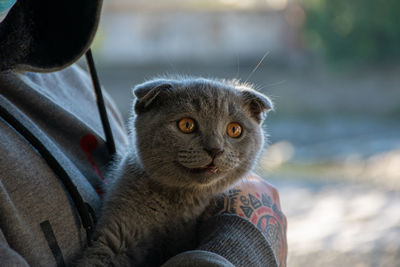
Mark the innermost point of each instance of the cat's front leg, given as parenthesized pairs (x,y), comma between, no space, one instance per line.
(100,254)
(112,246)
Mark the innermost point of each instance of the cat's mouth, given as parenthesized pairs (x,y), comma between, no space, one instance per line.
(210,168)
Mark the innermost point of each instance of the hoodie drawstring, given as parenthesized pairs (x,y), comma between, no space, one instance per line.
(100,104)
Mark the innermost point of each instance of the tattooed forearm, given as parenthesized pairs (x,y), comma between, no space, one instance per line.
(262,211)
(266,215)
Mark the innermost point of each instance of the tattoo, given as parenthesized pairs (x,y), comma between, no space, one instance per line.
(231,201)
(225,203)
(266,200)
(244,200)
(261,210)
(268,218)
(247,211)
(254,201)
(273,233)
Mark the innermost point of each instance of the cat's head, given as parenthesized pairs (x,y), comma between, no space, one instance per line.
(198,133)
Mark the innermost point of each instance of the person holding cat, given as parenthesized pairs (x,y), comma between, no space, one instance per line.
(54,154)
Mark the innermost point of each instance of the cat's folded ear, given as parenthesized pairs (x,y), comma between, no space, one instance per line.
(257,103)
(147,93)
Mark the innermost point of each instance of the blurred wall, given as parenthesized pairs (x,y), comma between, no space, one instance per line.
(181,34)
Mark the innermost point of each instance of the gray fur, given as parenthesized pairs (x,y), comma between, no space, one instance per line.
(151,209)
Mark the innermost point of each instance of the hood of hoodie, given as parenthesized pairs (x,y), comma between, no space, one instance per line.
(61,31)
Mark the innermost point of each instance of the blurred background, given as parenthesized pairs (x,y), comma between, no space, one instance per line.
(333,71)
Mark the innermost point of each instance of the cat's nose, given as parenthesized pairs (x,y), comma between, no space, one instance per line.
(213,152)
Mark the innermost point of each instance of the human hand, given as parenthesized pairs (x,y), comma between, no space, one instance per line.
(257,201)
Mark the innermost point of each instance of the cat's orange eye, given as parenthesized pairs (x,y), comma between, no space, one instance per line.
(186,125)
(234,129)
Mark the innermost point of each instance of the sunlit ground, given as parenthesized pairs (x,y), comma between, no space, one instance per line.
(343,224)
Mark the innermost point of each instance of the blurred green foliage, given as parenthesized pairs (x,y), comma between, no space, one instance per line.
(354,31)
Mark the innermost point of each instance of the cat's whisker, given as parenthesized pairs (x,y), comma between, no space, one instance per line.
(256,67)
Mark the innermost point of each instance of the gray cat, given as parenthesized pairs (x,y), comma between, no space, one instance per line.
(192,138)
